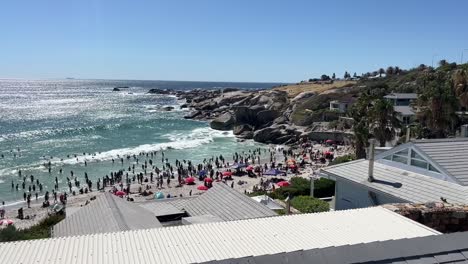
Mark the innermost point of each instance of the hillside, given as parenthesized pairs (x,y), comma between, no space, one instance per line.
(294,89)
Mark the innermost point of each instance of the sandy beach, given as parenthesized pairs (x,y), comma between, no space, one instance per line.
(243,184)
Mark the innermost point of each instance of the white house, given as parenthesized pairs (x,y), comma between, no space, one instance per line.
(340,105)
(402,105)
(416,172)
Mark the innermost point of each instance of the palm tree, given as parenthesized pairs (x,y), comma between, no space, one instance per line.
(389,71)
(383,121)
(381,71)
(359,113)
(460,85)
(437,104)
(443,63)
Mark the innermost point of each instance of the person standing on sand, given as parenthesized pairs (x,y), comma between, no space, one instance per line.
(2,210)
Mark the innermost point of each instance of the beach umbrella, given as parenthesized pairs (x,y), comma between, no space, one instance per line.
(227,173)
(283,184)
(329,141)
(120,193)
(328,153)
(249,168)
(202,173)
(292,166)
(208,179)
(238,165)
(6,222)
(202,188)
(190,180)
(273,172)
(159,195)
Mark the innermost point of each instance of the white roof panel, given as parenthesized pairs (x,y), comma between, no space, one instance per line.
(222,240)
(406,185)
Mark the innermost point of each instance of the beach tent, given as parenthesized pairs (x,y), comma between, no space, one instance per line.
(273,172)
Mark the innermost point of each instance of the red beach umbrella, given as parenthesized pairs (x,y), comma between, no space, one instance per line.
(249,168)
(120,193)
(190,180)
(227,173)
(208,179)
(283,184)
(202,188)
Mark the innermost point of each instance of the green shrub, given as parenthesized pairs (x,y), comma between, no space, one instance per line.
(343,159)
(41,230)
(307,204)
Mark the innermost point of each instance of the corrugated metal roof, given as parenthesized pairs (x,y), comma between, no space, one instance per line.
(451,154)
(401,96)
(108,213)
(448,248)
(404,110)
(406,185)
(222,240)
(228,204)
(166,206)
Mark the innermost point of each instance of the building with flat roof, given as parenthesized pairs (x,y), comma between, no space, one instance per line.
(220,240)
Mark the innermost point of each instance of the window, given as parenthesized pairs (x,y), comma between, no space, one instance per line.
(431,168)
(415,160)
(400,159)
(418,163)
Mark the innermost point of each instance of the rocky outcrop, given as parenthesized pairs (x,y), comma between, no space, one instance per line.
(168,108)
(159,91)
(265,116)
(223,122)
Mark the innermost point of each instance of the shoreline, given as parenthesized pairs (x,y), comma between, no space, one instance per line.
(247,186)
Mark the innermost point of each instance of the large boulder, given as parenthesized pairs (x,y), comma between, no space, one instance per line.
(223,122)
(276,134)
(192,115)
(240,129)
(267,116)
(159,91)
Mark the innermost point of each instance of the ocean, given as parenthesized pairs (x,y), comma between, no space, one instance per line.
(54,120)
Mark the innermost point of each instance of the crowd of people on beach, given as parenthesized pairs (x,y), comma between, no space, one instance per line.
(142,170)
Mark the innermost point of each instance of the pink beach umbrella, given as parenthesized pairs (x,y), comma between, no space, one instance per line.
(202,188)
(249,168)
(6,222)
(283,184)
(227,173)
(190,180)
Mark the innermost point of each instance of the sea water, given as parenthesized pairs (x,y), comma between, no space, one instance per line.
(54,120)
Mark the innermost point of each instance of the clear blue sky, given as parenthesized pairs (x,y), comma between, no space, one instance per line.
(224,40)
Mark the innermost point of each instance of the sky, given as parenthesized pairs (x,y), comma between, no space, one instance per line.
(225,40)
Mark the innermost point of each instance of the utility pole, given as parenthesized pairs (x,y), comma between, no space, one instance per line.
(461,57)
